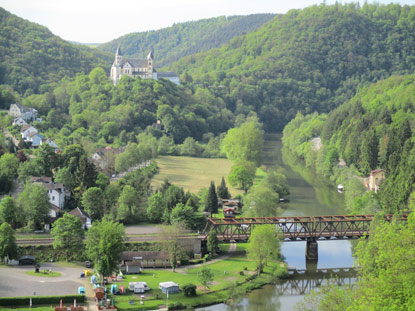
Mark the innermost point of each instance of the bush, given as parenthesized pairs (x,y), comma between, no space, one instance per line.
(189,290)
(41,300)
(176,306)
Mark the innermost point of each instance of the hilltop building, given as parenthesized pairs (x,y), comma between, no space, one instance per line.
(135,67)
(27,114)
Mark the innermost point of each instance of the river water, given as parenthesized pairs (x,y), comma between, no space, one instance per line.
(310,195)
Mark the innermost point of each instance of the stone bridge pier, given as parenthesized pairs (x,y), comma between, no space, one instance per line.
(311,250)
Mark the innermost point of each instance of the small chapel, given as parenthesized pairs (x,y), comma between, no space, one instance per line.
(135,67)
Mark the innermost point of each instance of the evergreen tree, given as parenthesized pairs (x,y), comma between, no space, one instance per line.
(369,152)
(212,242)
(211,200)
(223,191)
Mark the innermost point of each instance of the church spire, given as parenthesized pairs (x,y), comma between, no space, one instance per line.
(118,53)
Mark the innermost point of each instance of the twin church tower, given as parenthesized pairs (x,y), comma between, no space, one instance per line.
(135,67)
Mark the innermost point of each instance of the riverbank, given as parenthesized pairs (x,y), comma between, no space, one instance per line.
(233,275)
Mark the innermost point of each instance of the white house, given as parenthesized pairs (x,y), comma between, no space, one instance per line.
(28,129)
(19,121)
(27,114)
(56,192)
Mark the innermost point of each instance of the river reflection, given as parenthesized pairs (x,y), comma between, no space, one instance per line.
(311,195)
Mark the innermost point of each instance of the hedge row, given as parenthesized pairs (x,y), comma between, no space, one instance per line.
(40,300)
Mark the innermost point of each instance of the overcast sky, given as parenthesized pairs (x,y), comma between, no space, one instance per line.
(98,21)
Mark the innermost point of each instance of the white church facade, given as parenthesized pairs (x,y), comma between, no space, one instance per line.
(135,67)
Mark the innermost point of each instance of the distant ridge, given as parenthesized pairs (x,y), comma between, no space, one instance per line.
(172,43)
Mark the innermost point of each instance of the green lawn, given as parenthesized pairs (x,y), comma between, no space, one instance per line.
(226,272)
(44,273)
(192,173)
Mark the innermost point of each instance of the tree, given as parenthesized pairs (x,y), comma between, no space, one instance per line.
(189,290)
(223,191)
(205,276)
(244,143)
(369,152)
(261,201)
(93,202)
(128,208)
(212,200)
(68,234)
(212,242)
(155,207)
(34,201)
(8,171)
(172,242)
(85,176)
(242,175)
(8,210)
(186,215)
(263,245)
(104,243)
(8,246)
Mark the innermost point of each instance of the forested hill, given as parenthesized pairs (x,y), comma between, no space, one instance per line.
(306,60)
(31,56)
(373,130)
(172,43)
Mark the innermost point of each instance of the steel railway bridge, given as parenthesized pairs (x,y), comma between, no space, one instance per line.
(293,228)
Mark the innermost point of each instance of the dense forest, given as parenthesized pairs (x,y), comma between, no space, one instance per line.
(183,39)
(31,57)
(373,130)
(306,60)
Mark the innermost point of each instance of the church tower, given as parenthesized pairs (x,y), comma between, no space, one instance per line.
(116,67)
(150,64)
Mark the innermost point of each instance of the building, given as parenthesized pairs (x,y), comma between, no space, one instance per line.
(229,212)
(145,259)
(27,130)
(19,121)
(56,194)
(169,287)
(375,179)
(85,220)
(104,158)
(135,67)
(35,139)
(27,114)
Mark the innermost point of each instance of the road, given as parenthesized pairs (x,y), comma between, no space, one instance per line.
(14,281)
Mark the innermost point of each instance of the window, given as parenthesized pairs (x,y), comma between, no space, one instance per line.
(53,198)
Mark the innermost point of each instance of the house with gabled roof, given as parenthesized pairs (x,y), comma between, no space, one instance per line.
(19,111)
(83,217)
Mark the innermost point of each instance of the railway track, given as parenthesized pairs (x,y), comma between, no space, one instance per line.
(141,238)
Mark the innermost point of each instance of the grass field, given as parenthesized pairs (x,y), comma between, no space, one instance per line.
(44,273)
(192,173)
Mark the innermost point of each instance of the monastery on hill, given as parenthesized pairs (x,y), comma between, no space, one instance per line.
(135,67)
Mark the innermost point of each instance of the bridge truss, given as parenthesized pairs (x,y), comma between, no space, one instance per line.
(295,228)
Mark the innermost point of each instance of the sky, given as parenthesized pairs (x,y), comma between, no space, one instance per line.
(99,21)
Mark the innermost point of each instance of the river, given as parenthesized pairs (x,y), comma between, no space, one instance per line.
(310,195)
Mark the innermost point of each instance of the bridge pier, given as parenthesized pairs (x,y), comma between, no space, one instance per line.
(311,250)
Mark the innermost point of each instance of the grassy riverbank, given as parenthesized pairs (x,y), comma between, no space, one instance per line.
(232,276)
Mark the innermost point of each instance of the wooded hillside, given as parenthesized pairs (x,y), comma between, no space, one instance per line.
(172,43)
(306,60)
(31,57)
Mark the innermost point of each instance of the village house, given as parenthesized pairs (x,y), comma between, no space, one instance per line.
(230,203)
(19,121)
(83,217)
(35,139)
(135,67)
(26,130)
(104,158)
(56,193)
(229,212)
(375,179)
(27,114)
